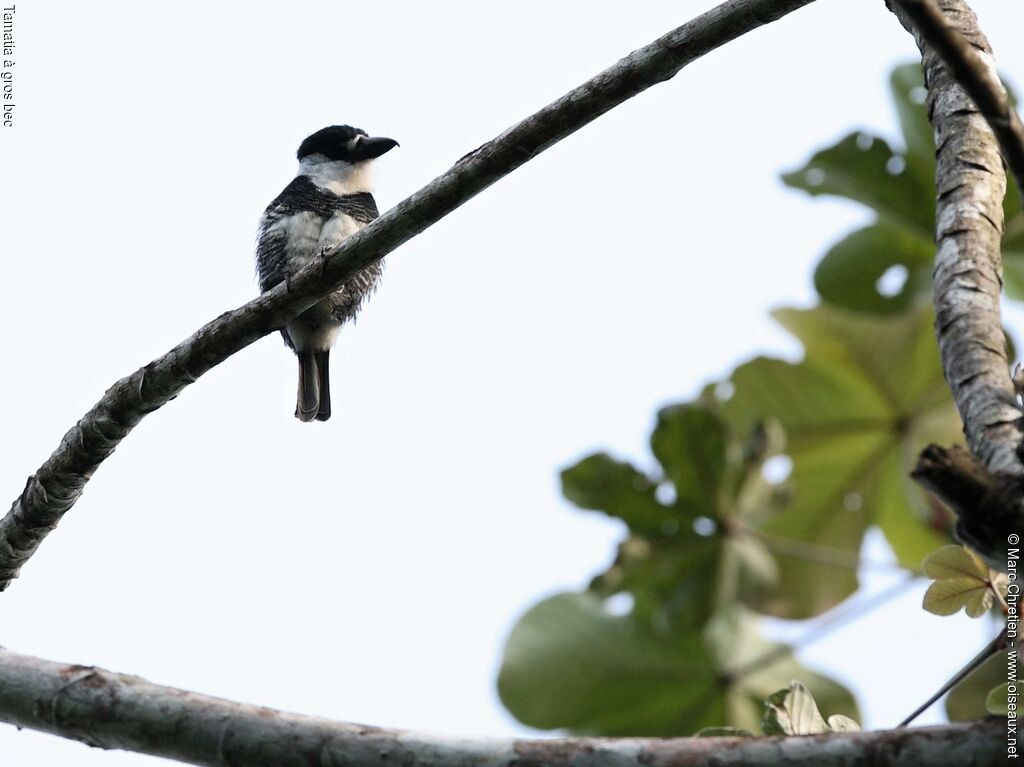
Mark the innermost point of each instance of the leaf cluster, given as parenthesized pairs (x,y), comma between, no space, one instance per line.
(760,491)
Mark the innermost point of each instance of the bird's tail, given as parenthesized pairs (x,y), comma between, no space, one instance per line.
(307,403)
(322,359)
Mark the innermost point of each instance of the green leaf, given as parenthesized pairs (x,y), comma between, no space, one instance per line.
(601,483)
(840,723)
(570,664)
(908,94)
(863,168)
(793,712)
(895,356)
(860,168)
(962,580)
(674,573)
(673,578)
(753,561)
(689,442)
(847,276)
(868,396)
(1013,273)
(1013,241)
(947,596)
(967,701)
(998,700)
(955,562)
(1013,250)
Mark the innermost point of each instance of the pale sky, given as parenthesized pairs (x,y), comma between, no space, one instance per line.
(369,569)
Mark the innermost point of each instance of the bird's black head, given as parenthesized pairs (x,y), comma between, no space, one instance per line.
(343,142)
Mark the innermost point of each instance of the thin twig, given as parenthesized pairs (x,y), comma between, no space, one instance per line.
(58,483)
(975,71)
(116,711)
(991,649)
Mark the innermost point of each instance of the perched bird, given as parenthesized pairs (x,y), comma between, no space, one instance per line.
(326,202)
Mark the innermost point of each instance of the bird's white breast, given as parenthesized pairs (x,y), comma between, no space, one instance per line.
(337,228)
(307,234)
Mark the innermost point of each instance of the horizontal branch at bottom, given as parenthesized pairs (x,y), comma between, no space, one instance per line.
(111,710)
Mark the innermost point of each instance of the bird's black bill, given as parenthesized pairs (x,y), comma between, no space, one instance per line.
(372,148)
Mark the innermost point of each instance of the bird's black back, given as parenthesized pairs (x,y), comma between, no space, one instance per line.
(302,195)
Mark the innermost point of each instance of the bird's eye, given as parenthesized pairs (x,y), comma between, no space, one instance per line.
(353,142)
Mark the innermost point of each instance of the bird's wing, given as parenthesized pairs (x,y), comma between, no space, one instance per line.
(271,257)
(341,216)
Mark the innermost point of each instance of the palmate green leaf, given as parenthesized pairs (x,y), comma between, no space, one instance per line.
(896,357)
(909,95)
(967,701)
(906,84)
(793,712)
(962,580)
(601,483)
(690,443)
(848,274)
(868,395)
(673,572)
(955,562)
(570,664)
(857,168)
(947,596)
(862,168)
(865,168)
(673,578)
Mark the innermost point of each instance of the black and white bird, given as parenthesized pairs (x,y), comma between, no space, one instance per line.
(329,200)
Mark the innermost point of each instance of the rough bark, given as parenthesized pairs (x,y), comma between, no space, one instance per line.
(58,483)
(110,710)
(971,183)
(976,73)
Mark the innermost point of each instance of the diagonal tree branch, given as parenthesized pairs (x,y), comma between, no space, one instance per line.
(971,183)
(110,710)
(58,483)
(975,71)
